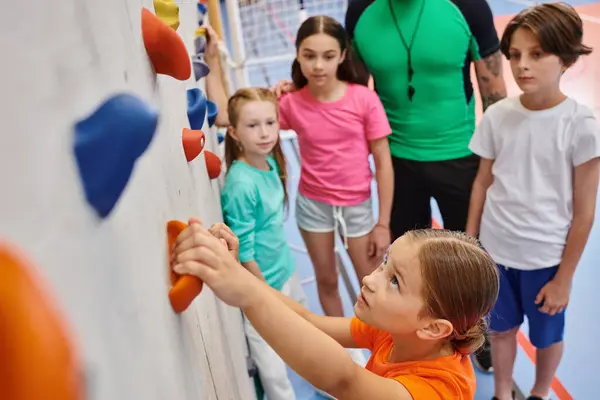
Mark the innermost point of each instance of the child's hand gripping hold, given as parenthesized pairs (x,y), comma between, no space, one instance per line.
(211,258)
(227,237)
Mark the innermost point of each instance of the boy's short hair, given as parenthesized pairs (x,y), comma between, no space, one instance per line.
(557,26)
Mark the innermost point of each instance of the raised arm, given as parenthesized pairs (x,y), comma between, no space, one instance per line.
(314,355)
(215,89)
(338,328)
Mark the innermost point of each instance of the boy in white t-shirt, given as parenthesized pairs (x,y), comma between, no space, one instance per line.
(533,201)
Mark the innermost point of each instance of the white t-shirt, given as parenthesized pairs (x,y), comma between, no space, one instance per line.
(528,209)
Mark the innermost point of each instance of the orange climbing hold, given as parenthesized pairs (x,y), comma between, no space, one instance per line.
(185,288)
(164,46)
(213,164)
(38,359)
(193,143)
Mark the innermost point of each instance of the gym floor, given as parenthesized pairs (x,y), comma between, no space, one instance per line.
(574,380)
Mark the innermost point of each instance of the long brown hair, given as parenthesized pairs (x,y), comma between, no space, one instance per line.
(347,70)
(233,150)
(558,28)
(460,284)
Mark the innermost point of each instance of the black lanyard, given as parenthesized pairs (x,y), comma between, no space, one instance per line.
(408,47)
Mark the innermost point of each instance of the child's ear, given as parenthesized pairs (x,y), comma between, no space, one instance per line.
(437,329)
(231,132)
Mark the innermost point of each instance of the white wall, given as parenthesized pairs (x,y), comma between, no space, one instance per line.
(60,60)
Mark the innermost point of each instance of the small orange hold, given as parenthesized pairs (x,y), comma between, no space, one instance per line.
(164,46)
(193,143)
(185,288)
(37,355)
(213,164)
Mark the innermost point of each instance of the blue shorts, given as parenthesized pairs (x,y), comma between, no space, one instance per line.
(518,290)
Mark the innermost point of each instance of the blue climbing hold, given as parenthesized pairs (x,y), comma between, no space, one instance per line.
(220,137)
(213,111)
(201,69)
(108,143)
(200,44)
(196,108)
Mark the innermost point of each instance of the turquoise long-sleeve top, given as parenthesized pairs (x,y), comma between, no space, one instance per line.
(252,203)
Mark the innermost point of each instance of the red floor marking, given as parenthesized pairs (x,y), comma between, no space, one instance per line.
(558,388)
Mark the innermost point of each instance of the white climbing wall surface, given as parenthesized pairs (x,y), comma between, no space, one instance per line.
(108,271)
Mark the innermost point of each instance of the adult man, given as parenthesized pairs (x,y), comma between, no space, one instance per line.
(419,55)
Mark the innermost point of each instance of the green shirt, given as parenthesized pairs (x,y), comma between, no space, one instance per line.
(252,202)
(439,121)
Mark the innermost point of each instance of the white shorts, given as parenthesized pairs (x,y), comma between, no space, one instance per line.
(317,217)
(271,368)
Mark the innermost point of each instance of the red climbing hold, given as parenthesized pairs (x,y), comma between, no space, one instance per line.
(164,46)
(193,143)
(213,164)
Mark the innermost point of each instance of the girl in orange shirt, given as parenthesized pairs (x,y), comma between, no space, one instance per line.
(421,313)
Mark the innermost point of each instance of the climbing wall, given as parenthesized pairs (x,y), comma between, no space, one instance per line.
(94,163)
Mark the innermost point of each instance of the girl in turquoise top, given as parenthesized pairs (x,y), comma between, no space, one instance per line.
(253,199)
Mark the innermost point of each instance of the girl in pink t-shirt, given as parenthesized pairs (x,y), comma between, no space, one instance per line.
(339,123)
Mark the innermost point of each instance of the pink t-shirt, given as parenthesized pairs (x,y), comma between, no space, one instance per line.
(334,142)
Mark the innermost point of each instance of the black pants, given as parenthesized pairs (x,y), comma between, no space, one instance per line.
(416,182)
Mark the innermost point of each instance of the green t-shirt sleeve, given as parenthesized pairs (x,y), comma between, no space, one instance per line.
(239,213)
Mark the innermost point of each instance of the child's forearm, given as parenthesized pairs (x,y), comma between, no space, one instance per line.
(384,174)
(254,269)
(576,242)
(585,189)
(478,195)
(310,352)
(215,90)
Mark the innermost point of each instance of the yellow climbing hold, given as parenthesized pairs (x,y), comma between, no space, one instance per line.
(200,32)
(168,12)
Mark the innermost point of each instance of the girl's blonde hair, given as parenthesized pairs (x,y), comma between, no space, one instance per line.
(460,284)
(233,150)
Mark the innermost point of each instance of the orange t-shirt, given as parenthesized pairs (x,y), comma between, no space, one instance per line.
(448,377)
